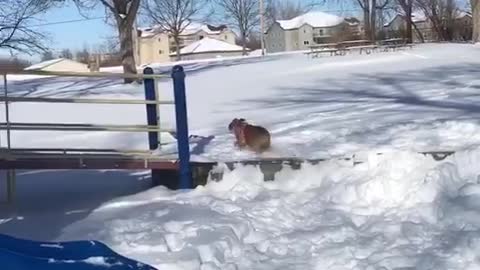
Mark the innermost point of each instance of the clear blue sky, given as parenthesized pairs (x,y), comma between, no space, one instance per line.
(75,35)
(72,35)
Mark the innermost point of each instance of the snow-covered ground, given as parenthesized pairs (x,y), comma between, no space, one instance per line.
(420,99)
(399,210)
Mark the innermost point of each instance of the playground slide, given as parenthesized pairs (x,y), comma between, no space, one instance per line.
(21,254)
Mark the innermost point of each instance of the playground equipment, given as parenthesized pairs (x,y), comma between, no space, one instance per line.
(23,254)
(12,159)
(173,173)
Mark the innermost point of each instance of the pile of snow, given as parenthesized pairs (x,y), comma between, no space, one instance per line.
(399,210)
(314,19)
(207,44)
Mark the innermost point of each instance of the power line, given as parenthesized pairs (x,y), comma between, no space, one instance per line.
(104,17)
(65,22)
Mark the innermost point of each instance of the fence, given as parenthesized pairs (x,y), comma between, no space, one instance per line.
(76,158)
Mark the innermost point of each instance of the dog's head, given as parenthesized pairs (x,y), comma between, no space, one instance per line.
(235,122)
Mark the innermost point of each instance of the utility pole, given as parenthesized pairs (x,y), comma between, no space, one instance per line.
(262,27)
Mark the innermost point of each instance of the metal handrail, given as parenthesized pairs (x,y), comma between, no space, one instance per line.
(86,100)
(88,74)
(79,127)
(76,150)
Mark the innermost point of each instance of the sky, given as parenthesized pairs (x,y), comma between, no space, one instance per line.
(74,35)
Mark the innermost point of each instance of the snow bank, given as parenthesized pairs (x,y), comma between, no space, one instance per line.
(398,210)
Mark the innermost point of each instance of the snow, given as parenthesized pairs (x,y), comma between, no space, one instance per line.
(417,100)
(100,261)
(97,261)
(400,210)
(313,18)
(397,210)
(210,45)
(44,64)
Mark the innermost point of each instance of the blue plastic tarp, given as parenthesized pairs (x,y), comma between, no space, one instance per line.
(21,254)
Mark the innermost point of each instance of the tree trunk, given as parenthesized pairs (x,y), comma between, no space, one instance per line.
(419,33)
(126,50)
(436,21)
(177,46)
(366,20)
(476,20)
(244,44)
(373,20)
(408,17)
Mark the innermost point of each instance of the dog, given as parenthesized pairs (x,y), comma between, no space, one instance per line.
(256,138)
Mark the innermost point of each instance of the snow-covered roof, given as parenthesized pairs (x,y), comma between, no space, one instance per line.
(209,45)
(314,19)
(191,29)
(44,64)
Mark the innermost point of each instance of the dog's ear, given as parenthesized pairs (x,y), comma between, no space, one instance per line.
(230,126)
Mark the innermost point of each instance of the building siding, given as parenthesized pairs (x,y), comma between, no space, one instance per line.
(149,48)
(275,39)
(279,39)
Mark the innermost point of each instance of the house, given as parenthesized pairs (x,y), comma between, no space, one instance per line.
(153,45)
(424,29)
(208,48)
(60,64)
(311,28)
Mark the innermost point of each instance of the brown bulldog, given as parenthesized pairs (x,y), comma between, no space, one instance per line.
(256,138)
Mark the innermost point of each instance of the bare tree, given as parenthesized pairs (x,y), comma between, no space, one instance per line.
(83,56)
(371,10)
(13,64)
(289,9)
(407,7)
(47,55)
(66,53)
(441,14)
(244,14)
(16,31)
(174,16)
(124,13)
(476,19)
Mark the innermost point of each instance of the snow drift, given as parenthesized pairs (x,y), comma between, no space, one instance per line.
(399,210)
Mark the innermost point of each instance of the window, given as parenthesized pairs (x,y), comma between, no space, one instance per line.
(306,42)
(226,37)
(159,40)
(320,32)
(200,37)
(160,52)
